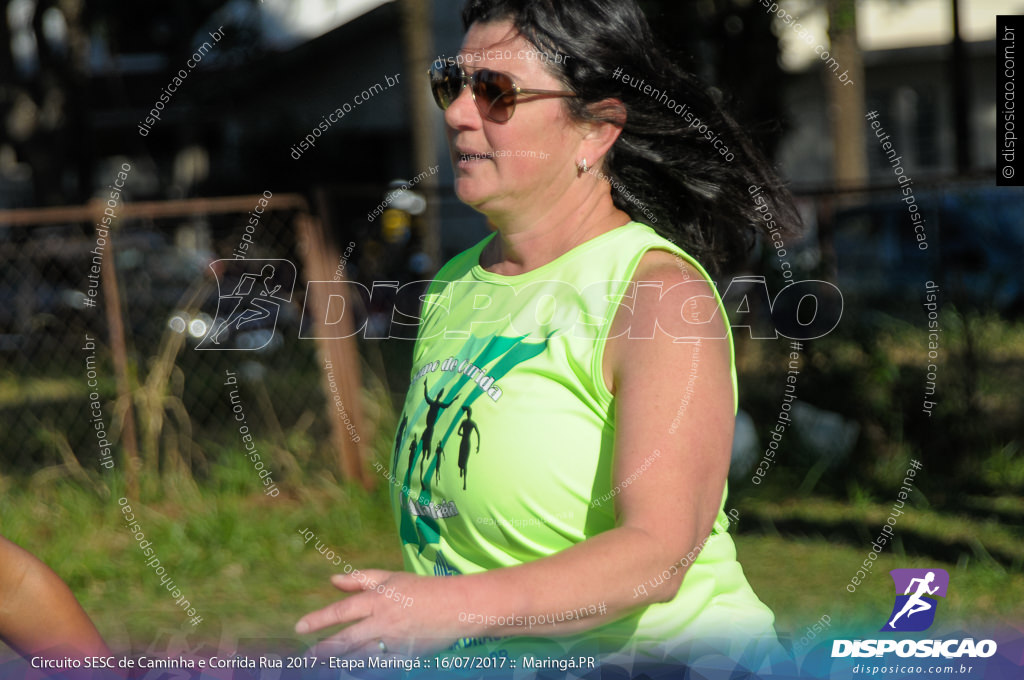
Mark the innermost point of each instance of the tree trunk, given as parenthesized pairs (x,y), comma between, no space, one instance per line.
(844,88)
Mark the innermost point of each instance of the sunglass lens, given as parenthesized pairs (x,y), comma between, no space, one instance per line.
(496,92)
(445,83)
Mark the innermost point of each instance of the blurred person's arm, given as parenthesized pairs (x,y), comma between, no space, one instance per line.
(38,612)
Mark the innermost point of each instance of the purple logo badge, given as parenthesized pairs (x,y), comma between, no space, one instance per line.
(916,590)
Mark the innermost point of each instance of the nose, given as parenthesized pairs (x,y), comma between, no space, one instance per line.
(463,113)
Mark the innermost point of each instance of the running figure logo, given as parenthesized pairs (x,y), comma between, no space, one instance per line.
(914,610)
(433,414)
(254,302)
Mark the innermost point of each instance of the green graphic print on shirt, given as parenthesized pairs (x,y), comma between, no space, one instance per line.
(465,378)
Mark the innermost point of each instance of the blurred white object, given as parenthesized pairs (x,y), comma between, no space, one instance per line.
(745,449)
(828,434)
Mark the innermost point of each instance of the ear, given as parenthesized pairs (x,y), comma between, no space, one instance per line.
(598,135)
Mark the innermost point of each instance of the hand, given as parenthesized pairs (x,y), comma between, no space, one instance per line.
(405,611)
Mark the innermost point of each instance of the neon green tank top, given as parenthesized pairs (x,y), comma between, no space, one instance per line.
(504,451)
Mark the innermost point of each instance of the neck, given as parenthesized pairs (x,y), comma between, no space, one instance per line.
(530,239)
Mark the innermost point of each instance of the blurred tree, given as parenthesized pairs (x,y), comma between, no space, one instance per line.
(54,53)
(730,44)
(44,78)
(173,29)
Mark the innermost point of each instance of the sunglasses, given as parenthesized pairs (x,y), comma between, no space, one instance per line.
(494,92)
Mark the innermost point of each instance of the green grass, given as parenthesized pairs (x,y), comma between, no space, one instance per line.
(21,392)
(802,579)
(940,535)
(238,556)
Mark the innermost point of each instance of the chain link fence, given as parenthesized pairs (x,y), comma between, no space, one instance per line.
(102,325)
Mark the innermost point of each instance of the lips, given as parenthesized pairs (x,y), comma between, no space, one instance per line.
(465,156)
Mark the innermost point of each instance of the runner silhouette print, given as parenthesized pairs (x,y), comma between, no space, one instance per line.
(439,453)
(398,440)
(466,430)
(433,414)
(412,456)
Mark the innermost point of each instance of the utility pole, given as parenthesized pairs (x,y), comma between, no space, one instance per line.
(961,96)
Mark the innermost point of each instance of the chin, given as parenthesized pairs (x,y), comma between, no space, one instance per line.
(470,192)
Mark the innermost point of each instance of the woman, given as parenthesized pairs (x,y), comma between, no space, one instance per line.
(577,361)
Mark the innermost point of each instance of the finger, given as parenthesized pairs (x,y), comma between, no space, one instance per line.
(367,579)
(349,583)
(343,611)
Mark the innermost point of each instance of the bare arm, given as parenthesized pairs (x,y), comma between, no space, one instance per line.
(38,611)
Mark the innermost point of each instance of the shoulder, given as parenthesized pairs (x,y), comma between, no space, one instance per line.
(666,263)
(666,266)
(672,305)
(676,295)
